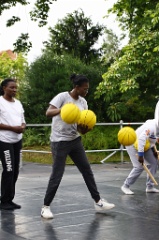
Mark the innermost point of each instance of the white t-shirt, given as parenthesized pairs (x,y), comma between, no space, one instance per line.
(61,131)
(12,114)
(157,118)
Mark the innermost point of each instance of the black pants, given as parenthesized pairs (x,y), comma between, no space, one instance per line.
(10,158)
(75,150)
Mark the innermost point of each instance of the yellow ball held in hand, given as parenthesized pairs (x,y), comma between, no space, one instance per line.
(87,118)
(70,113)
(127,136)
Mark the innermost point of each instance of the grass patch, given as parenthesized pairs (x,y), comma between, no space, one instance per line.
(100,137)
(94,158)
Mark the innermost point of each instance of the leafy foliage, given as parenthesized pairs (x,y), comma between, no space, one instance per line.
(7,4)
(12,21)
(36,136)
(131,14)
(22,44)
(12,68)
(39,13)
(100,138)
(130,86)
(75,34)
(48,76)
(110,47)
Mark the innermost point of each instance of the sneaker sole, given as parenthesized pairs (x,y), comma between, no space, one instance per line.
(103,209)
(127,193)
(151,192)
(47,217)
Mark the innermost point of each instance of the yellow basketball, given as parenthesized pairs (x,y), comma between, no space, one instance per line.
(127,136)
(87,118)
(146,147)
(70,113)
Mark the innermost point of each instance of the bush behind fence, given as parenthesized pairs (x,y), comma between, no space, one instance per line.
(102,140)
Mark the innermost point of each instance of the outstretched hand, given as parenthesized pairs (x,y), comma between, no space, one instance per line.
(83,129)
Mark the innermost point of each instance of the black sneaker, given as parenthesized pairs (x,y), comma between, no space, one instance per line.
(6,206)
(15,205)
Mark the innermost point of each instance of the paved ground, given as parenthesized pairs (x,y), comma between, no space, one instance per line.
(135,217)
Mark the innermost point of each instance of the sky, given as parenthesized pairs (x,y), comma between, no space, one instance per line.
(95,9)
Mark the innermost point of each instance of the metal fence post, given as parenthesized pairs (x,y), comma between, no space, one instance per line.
(21,160)
(121,146)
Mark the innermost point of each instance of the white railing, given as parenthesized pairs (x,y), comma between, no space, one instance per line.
(113,151)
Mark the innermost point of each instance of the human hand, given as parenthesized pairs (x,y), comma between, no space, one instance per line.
(155,153)
(141,159)
(83,129)
(18,129)
(157,140)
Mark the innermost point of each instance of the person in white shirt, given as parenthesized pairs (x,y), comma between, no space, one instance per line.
(157,119)
(66,140)
(12,125)
(143,151)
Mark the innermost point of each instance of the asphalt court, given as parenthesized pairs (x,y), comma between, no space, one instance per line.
(135,217)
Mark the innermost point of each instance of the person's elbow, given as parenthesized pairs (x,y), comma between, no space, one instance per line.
(47,113)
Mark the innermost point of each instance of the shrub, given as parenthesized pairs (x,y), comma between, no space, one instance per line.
(100,138)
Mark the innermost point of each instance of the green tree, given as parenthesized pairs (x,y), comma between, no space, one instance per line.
(13,68)
(110,47)
(49,75)
(39,14)
(75,34)
(131,14)
(130,86)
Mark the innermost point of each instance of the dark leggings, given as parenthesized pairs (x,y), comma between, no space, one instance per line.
(75,150)
(10,158)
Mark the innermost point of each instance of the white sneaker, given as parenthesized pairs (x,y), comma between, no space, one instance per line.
(103,205)
(126,190)
(152,190)
(46,212)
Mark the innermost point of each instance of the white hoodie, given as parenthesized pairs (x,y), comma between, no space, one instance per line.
(146,132)
(157,118)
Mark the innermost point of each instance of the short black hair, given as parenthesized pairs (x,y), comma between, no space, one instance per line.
(78,79)
(4,83)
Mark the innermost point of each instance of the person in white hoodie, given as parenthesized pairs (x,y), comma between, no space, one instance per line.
(143,151)
(157,119)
